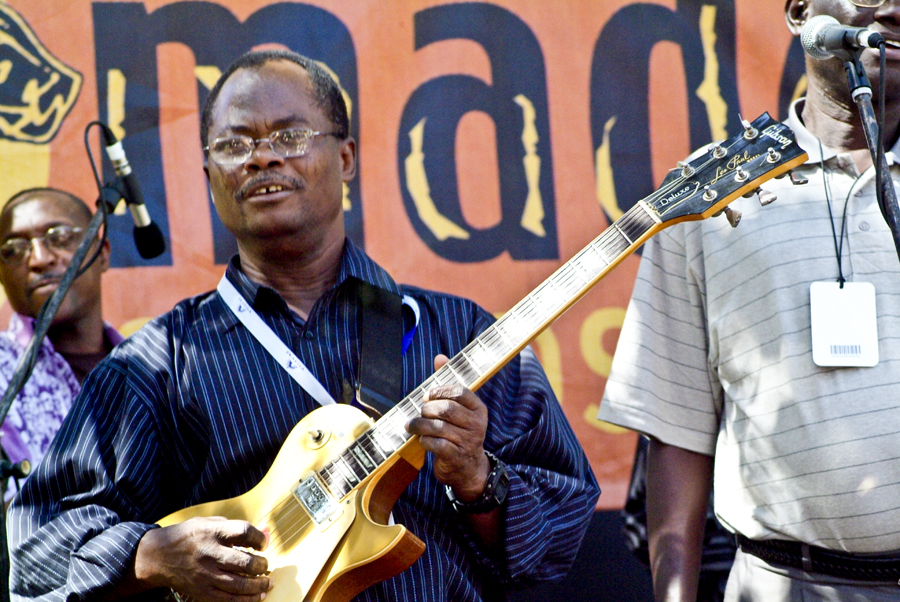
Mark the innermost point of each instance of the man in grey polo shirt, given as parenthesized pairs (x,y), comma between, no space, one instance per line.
(715,363)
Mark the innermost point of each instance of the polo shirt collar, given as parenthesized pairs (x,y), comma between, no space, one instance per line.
(809,143)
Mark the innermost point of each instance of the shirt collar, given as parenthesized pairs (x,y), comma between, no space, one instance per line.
(809,143)
(354,264)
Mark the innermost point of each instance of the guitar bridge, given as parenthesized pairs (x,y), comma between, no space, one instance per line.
(320,505)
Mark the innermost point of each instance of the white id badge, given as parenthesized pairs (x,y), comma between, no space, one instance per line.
(844,327)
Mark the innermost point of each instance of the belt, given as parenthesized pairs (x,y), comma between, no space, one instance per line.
(814,559)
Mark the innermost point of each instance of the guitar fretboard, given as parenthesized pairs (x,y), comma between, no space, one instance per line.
(491,350)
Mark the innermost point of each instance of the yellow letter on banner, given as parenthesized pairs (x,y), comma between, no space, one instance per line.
(115,114)
(709,91)
(606,185)
(207,75)
(115,101)
(417,184)
(597,358)
(533,215)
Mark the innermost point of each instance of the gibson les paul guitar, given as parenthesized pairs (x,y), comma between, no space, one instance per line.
(326,500)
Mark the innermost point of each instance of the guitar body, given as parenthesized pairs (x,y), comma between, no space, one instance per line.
(354,548)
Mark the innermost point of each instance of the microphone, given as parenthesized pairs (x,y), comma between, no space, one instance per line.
(148,238)
(823,37)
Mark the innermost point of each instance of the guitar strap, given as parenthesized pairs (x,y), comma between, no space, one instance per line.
(383,344)
(380,386)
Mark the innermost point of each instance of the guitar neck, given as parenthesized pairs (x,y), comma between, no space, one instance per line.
(700,188)
(496,346)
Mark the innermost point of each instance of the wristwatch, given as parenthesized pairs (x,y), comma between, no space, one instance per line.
(494,494)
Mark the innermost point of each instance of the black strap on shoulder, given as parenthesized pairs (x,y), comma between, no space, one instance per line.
(380,366)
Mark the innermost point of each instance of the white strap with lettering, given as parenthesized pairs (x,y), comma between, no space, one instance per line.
(271,343)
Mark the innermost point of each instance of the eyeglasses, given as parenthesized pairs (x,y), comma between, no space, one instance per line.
(58,238)
(235,150)
(868,3)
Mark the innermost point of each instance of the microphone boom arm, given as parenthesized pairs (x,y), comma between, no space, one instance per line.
(861,92)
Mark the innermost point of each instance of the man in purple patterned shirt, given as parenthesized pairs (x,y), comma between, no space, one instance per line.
(39,230)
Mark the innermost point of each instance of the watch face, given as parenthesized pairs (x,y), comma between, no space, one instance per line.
(502,487)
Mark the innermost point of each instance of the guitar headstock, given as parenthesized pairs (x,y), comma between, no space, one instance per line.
(730,169)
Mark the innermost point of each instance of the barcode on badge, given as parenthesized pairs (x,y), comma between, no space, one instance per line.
(846,350)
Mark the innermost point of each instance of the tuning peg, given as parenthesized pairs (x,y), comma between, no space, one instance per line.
(709,194)
(797,179)
(719,151)
(686,170)
(740,175)
(773,156)
(766,197)
(733,217)
(750,132)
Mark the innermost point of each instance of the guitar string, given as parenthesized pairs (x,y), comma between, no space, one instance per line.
(618,228)
(710,160)
(608,241)
(612,239)
(288,510)
(528,308)
(292,513)
(567,275)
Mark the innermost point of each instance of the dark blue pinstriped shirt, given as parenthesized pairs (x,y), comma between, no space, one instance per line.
(192,409)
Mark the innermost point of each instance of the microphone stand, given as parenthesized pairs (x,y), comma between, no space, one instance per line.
(29,357)
(861,92)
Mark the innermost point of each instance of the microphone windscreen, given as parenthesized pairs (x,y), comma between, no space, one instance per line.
(809,35)
(149,241)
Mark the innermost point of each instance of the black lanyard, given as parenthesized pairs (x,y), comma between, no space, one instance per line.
(838,246)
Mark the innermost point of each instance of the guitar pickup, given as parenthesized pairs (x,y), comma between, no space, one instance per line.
(320,505)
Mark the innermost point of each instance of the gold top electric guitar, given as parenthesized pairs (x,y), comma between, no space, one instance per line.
(327,498)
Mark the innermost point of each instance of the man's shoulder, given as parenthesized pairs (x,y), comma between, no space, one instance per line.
(441,301)
(175,325)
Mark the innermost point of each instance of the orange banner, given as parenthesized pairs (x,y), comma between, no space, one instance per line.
(496,139)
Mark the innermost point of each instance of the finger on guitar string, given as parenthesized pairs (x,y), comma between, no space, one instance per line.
(241,533)
(452,426)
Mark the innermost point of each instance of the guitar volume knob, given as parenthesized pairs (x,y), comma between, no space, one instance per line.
(317,437)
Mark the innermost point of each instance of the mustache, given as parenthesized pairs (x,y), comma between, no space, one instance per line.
(42,280)
(266,180)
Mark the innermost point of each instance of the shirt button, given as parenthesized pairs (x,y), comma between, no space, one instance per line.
(310,335)
(864,226)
